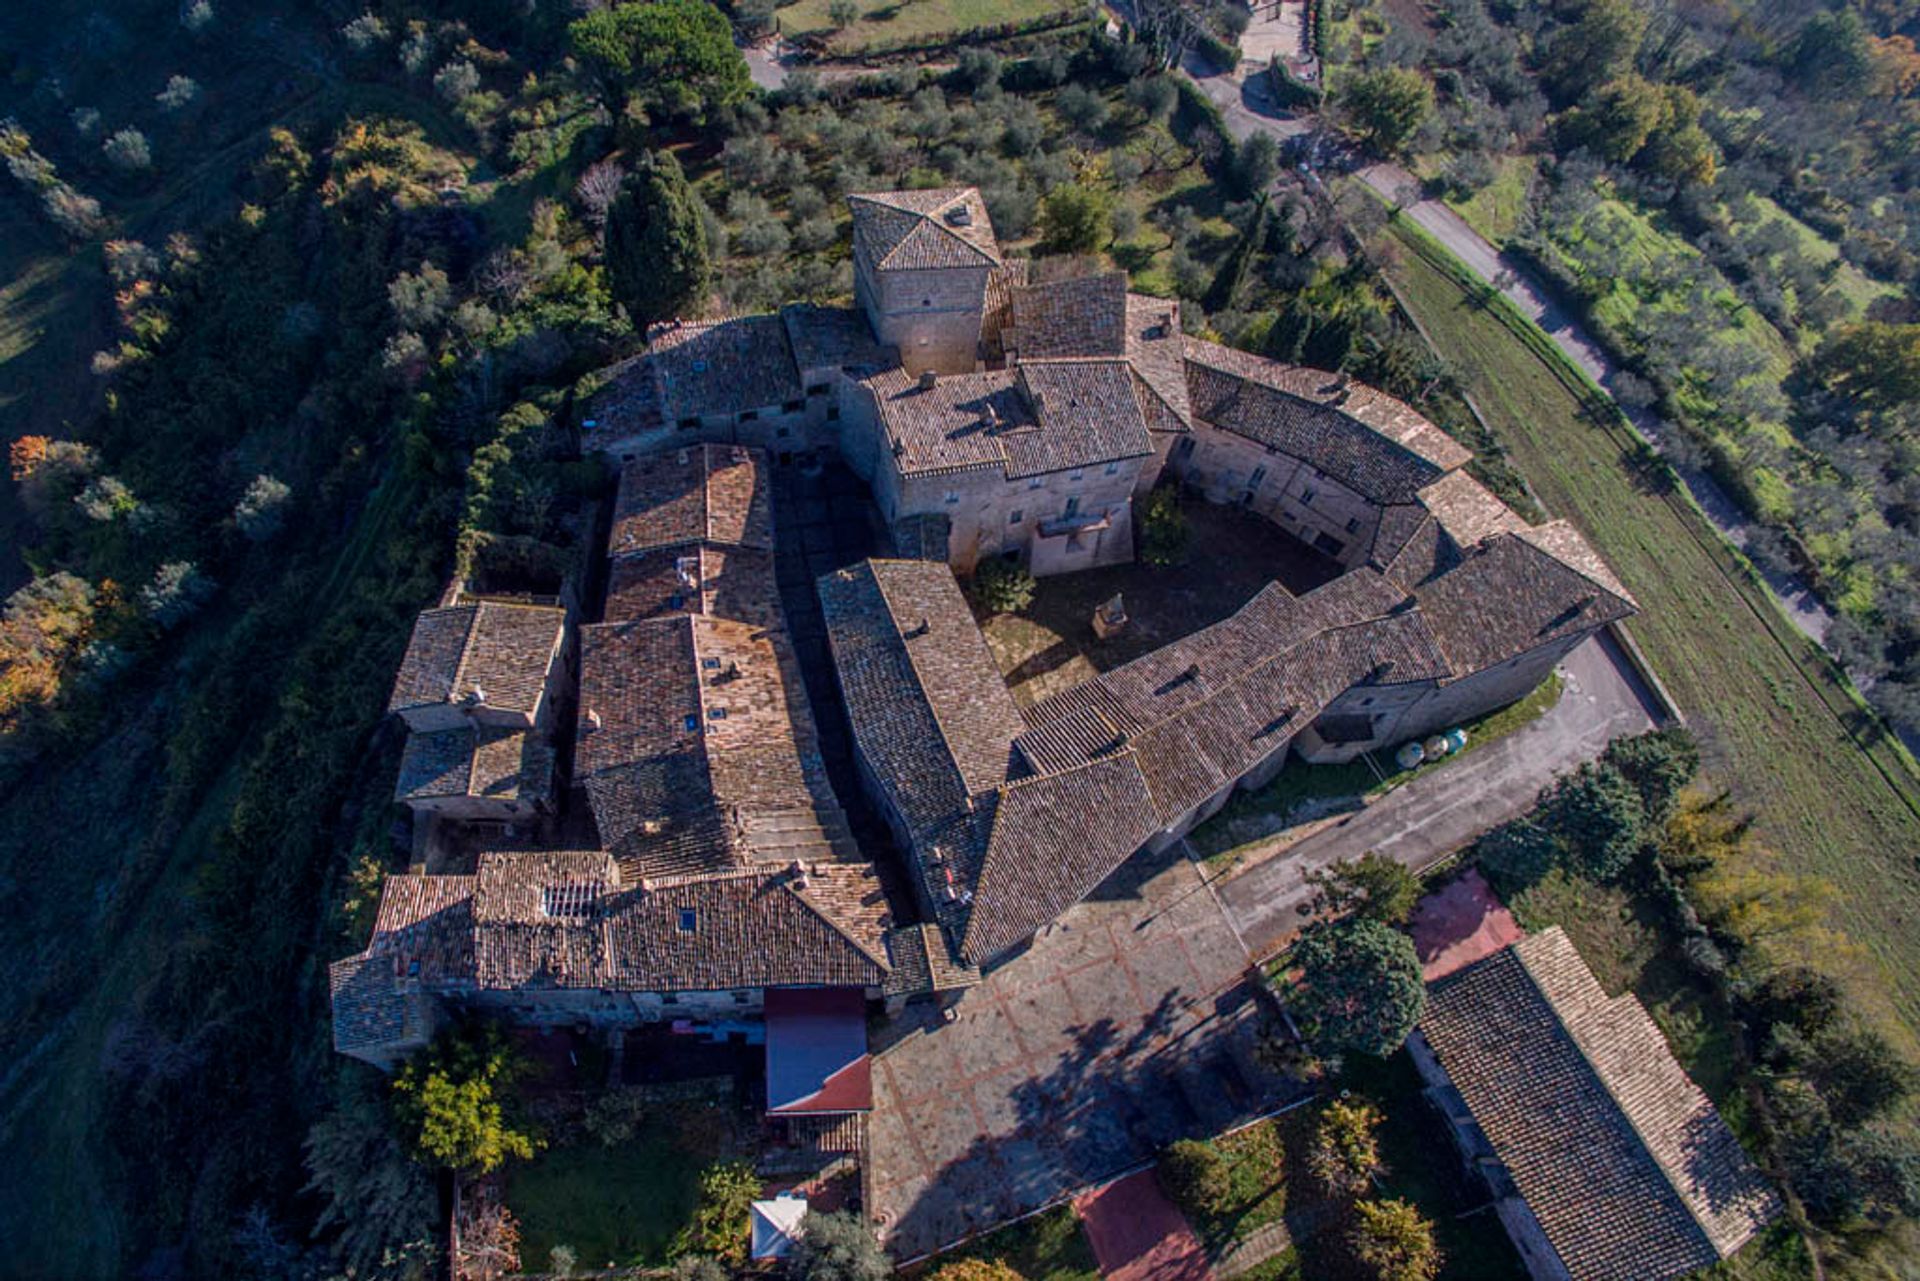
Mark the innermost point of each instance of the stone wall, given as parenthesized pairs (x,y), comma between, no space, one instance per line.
(1312,507)
(933,317)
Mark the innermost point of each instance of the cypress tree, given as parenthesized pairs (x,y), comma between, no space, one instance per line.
(656,243)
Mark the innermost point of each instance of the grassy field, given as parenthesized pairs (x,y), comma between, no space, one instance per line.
(616,1206)
(1494,210)
(897,22)
(1780,726)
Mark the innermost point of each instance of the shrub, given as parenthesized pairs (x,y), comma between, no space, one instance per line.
(719,1225)
(1360,986)
(1373,886)
(1164,527)
(1002,586)
(1345,1153)
(127,150)
(262,508)
(976,1270)
(1393,1242)
(1076,218)
(451,1102)
(1195,1177)
(839,1247)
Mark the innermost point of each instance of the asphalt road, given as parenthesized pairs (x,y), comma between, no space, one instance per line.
(1795,596)
(1444,810)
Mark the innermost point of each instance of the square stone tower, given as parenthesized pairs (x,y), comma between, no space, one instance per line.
(922,261)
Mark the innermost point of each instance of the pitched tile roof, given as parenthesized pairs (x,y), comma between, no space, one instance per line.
(1203,710)
(922,963)
(923,230)
(1621,1157)
(1043,416)
(1086,416)
(931,715)
(1071,318)
(1515,592)
(1364,439)
(1155,349)
(722,366)
(492,649)
(1467,510)
(1053,840)
(720,494)
(833,338)
(489,762)
(726,582)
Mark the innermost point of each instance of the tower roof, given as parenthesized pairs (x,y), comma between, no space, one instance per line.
(923,230)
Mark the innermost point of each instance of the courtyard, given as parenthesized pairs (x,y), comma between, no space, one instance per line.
(1231,555)
(1127,1024)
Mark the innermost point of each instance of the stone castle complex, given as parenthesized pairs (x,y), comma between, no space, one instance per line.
(990,417)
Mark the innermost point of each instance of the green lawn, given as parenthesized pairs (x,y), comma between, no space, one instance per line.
(1495,210)
(1781,728)
(897,22)
(614,1205)
(1256,1159)
(1047,1247)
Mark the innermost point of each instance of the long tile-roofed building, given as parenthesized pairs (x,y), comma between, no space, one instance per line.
(488,652)
(1156,350)
(919,230)
(834,338)
(1519,591)
(1622,1160)
(704,493)
(1086,416)
(1366,440)
(722,367)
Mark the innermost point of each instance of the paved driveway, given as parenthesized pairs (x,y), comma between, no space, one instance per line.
(1125,1025)
(1445,809)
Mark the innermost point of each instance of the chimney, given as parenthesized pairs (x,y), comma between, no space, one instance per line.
(929,379)
(993,417)
(799,871)
(593,718)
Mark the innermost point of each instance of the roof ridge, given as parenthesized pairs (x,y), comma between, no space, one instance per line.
(1528,534)
(837,926)
(920,684)
(1553,934)
(466,645)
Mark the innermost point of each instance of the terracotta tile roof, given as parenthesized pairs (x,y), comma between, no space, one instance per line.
(480,761)
(1511,595)
(1467,511)
(1044,416)
(1621,1157)
(951,426)
(503,651)
(736,583)
(735,929)
(923,230)
(923,964)
(722,366)
(1156,350)
(1364,439)
(1071,319)
(931,716)
(1053,840)
(720,494)
(834,338)
(1087,417)
(1200,712)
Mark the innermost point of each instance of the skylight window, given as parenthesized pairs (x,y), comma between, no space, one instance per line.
(689,920)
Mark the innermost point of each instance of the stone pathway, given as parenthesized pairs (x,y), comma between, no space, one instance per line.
(1127,1024)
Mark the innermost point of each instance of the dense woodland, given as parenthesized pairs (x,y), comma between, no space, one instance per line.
(1726,192)
(342,273)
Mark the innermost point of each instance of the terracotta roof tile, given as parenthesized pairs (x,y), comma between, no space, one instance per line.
(500,651)
(923,230)
(719,494)
(1623,1159)
(1510,595)
(722,366)
(834,338)
(1071,319)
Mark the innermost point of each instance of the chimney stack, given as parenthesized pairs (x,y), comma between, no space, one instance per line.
(928,379)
